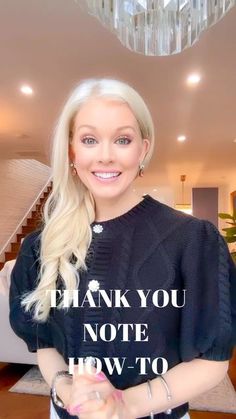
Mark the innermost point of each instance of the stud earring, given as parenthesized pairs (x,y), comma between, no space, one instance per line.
(73,169)
(141,170)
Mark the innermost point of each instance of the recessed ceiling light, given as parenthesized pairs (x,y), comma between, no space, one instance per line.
(193,78)
(22,136)
(26,90)
(181,138)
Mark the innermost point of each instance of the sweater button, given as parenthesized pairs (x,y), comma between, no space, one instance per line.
(98,228)
(93,285)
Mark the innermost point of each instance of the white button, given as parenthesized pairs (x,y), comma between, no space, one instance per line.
(93,285)
(98,228)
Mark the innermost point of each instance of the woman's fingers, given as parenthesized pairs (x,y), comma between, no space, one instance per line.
(91,377)
(90,391)
(106,411)
(104,388)
(88,406)
(83,391)
(88,371)
(82,388)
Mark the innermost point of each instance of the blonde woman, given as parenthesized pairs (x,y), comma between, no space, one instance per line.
(153,315)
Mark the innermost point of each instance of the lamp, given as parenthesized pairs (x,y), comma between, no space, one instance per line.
(158,27)
(183,207)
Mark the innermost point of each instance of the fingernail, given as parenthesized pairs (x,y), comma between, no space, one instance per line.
(118,394)
(75,409)
(78,408)
(69,410)
(101,376)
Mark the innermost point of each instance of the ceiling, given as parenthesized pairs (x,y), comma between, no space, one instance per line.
(52,44)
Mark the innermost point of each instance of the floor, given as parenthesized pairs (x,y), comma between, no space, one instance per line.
(25,406)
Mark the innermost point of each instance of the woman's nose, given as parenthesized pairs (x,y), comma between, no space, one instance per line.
(106,153)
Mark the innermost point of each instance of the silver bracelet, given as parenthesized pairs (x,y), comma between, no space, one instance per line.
(169,397)
(56,399)
(150,397)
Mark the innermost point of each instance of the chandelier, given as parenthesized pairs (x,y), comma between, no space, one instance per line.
(158,27)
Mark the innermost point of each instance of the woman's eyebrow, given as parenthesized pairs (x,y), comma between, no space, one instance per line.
(118,129)
(85,126)
(125,127)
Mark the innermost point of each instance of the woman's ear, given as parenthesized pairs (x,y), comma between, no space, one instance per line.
(145,148)
(71,152)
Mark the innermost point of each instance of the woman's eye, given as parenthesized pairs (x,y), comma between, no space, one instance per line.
(88,140)
(124,140)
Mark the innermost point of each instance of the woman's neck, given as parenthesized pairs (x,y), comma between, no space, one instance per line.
(107,209)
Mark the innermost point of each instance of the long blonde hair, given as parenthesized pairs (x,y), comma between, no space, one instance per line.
(70,209)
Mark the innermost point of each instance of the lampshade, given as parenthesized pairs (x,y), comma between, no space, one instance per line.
(187,208)
(184,208)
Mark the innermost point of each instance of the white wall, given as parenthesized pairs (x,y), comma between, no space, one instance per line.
(161,193)
(20,183)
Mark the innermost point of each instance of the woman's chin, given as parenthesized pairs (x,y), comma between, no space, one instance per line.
(109,193)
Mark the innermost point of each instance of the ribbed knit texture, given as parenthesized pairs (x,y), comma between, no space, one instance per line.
(150,247)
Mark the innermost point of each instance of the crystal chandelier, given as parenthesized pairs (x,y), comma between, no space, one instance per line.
(158,27)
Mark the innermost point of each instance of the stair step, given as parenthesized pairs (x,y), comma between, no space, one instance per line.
(36,215)
(36,225)
(1,265)
(15,247)
(19,237)
(32,222)
(27,229)
(10,255)
(36,219)
(39,207)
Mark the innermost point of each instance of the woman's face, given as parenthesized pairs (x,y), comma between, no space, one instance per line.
(107,147)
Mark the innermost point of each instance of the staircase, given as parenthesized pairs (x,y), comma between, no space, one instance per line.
(32,224)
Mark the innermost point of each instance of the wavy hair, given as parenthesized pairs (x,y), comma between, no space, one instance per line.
(70,209)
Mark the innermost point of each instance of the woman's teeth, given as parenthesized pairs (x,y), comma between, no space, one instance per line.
(107,175)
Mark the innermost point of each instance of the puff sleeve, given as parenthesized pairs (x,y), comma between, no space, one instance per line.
(23,279)
(208,318)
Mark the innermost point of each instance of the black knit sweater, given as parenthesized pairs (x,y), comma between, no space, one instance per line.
(151,247)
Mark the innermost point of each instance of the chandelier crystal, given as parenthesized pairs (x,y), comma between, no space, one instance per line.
(158,27)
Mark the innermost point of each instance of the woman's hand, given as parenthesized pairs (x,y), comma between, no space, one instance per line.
(93,396)
(112,408)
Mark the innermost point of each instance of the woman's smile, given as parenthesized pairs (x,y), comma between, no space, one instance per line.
(106,177)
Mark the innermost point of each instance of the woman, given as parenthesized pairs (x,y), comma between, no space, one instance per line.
(153,307)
